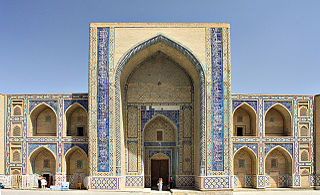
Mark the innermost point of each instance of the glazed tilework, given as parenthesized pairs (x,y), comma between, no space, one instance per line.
(134,181)
(31,143)
(267,144)
(68,146)
(103,101)
(105,183)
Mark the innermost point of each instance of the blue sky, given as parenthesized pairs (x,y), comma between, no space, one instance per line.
(274,44)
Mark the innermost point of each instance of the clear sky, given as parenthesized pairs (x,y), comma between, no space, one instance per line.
(275,44)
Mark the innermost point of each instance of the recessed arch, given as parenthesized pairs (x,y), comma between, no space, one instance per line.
(76,120)
(278,121)
(162,120)
(43,120)
(244,166)
(244,121)
(43,162)
(191,65)
(278,165)
(77,165)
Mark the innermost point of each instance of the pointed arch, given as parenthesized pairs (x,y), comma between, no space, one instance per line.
(170,132)
(76,120)
(160,156)
(244,165)
(278,121)
(191,65)
(244,120)
(278,165)
(43,161)
(43,120)
(77,165)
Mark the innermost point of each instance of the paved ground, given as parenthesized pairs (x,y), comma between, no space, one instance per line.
(281,191)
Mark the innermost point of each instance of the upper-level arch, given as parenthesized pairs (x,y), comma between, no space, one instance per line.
(44,120)
(77,120)
(278,121)
(244,121)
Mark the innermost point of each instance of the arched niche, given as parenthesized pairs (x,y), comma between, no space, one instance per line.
(162,133)
(154,48)
(77,120)
(162,124)
(278,165)
(278,121)
(44,121)
(43,162)
(244,166)
(77,165)
(244,121)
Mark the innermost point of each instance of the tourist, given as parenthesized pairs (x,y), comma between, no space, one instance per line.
(43,183)
(160,183)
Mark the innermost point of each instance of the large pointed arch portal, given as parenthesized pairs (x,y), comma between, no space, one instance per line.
(161,43)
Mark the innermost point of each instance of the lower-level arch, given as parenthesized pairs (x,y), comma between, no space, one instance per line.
(43,162)
(244,164)
(77,166)
(278,166)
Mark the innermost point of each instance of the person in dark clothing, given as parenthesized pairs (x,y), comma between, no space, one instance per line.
(171,182)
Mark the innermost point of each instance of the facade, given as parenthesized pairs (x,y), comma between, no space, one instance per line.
(160,105)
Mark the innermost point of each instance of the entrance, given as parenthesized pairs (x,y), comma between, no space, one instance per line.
(159,169)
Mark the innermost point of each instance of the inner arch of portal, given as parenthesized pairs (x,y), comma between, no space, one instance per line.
(162,81)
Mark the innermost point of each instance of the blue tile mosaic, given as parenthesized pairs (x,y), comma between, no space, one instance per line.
(103,101)
(287,146)
(68,103)
(217,99)
(236,103)
(33,146)
(287,104)
(253,147)
(34,103)
(68,146)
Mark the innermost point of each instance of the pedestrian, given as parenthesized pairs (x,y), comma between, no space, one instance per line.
(160,184)
(171,182)
(43,183)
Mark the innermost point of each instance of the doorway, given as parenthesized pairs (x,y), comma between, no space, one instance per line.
(159,169)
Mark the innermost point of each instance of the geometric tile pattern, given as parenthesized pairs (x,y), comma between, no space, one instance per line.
(289,143)
(236,103)
(30,144)
(105,183)
(134,181)
(185,181)
(253,147)
(218,182)
(217,100)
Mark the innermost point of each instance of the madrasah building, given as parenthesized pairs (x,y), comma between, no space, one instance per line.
(160,105)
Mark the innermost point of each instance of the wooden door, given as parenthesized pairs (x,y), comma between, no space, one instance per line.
(159,169)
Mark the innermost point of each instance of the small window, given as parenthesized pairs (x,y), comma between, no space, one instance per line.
(16,131)
(79,164)
(239,131)
(46,163)
(159,136)
(17,111)
(303,111)
(271,119)
(241,163)
(239,118)
(274,163)
(304,131)
(16,156)
(304,156)
(80,131)
(48,119)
